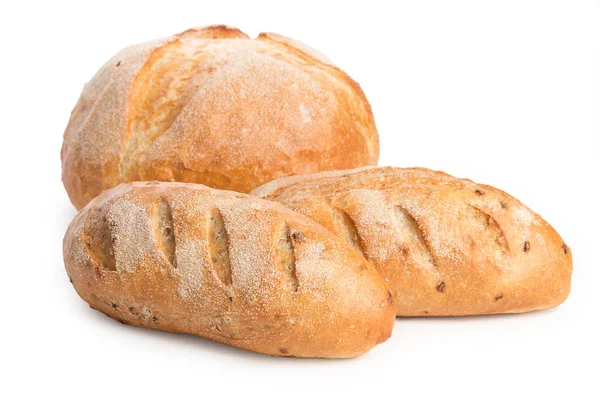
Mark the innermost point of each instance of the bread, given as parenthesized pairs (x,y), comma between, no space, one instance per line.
(228,267)
(213,106)
(446,246)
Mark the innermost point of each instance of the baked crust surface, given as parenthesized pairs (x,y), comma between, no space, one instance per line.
(228,267)
(212,106)
(445,246)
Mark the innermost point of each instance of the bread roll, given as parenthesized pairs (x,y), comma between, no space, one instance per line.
(446,246)
(228,267)
(213,106)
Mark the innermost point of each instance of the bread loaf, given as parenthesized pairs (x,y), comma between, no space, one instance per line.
(446,246)
(213,106)
(228,267)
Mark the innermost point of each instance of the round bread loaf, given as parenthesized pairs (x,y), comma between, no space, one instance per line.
(213,106)
(228,267)
(446,246)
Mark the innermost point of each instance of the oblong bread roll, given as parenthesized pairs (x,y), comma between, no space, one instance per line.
(228,267)
(446,246)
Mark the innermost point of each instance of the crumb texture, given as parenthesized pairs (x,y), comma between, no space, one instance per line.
(163,229)
(346,225)
(287,257)
(218,242)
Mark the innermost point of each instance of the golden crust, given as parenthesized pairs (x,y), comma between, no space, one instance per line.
(446,246)
(212,106)
(228,267)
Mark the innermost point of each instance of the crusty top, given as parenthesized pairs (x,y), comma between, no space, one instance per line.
(226,266)
(447,246)
(213,106)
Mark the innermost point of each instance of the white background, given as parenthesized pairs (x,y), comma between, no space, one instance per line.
(502,92)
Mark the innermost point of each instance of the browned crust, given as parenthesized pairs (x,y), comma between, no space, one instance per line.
(227,267)
(215,32)
(446,246)
(212,106)
(310,56)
